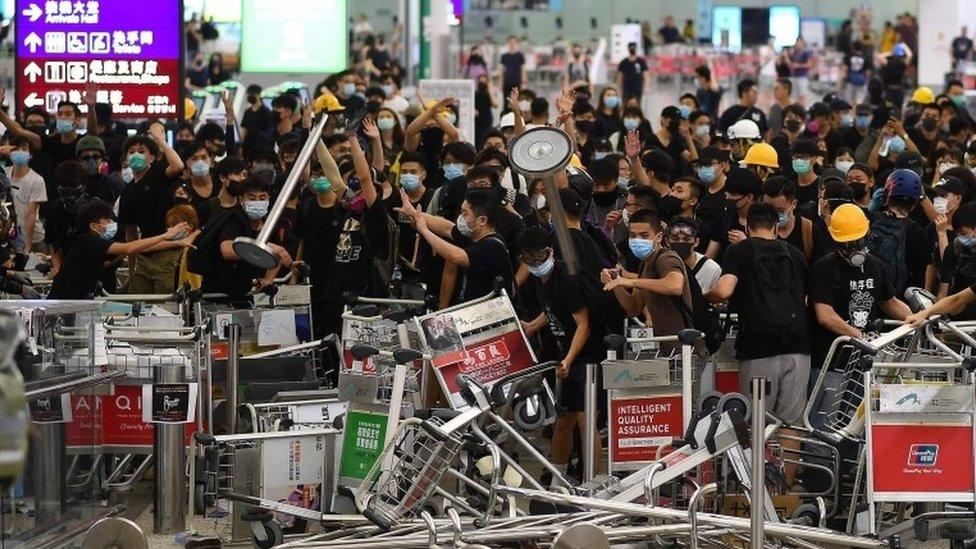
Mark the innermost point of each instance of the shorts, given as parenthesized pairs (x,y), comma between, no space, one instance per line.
(572,389)
(788,377)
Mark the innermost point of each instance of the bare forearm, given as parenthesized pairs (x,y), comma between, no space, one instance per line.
(329,168)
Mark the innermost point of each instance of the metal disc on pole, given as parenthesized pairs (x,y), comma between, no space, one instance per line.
(254,252)
(581,536)
(115,532)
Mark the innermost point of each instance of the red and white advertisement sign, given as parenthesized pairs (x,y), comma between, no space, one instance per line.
(85,427)
(486,361)
(922,458)
(639,425)
(113,420)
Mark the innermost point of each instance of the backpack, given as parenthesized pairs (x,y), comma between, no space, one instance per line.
(703,316)
(886,241)
(777,309)
(203,257)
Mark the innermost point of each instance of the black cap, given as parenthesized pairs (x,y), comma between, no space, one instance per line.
(712,154)
(838,104)
(818,109)
(909,160)
(950,184)
(671,112)
(832,173)
(572,201)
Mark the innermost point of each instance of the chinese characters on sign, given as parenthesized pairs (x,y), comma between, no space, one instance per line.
(132,56)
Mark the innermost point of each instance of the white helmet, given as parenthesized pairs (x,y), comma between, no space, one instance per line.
(743,129)
(508,121)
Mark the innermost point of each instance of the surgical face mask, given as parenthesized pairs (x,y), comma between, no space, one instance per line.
(128,175)
(843,165)
(941,204)
(784,219)
(685,111)
(707,174)
(966,241)
(538,202)
(410,182)
(801,166)
(846,120)
(20,158)
(862,121)
(525,105)
(702,130)
(943,166)
(385,124)
(959,100)
(631,123)
(348,89)
(462,226)
(388,90)
(611,101)
(200,168)
(64,125)
(256,209)
(321,184)
(600,155)
(137,161)
(110,230)
(453,171)
(641,247)
(896,145)
(544,269)
(623,182)
(451,118)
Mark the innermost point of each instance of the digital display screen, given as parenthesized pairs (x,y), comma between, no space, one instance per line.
(727,28)
(295,36)
(784,25)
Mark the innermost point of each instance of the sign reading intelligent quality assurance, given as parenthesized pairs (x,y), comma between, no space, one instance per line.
(129,51)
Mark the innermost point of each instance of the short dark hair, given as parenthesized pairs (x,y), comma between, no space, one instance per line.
(795,109)
(965,216)
(229,165)
(863,167)
(695,185)
(335,139)
(540,106)
(483,203)
(495,132)
(837,192)
(605,169)
(93,211)
(18,141)
(786,83)
(744,86)
(286,101)
(704,72)
(73,105)
(407,156)
(689,96)
(959,123)
(645,196)
(255,183)
(143,140)
(954,82)
(761,216)
(460,151)
(483,172)
(210,131)
(686,222)
(191,149)
(70,173)
(533,240)
(491,153)
(37,111)
(779,185)
(647,216)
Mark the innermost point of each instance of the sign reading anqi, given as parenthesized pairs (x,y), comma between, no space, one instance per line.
(130,53)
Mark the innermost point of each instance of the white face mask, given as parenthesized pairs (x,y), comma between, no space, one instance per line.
(941,204)
(945,166)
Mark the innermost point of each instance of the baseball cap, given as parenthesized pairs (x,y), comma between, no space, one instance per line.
(819,109)
(950,184)
(909,159)
(838,104)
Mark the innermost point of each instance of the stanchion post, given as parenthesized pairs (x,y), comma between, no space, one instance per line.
(757,490)
(233,360)
(589,417)
(169,511)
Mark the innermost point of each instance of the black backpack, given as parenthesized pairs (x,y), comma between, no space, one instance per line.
(202,258)
(886,241)
(777,310)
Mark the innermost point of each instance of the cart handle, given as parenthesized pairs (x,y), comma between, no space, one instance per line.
(498,397)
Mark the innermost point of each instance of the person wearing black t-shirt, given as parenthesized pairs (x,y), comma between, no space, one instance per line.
(476,247)
(801,232)
(61,145)
(416,258)
(200,185)
(849,288)
(632,74)
(257,117)
(143,205)
(78,278)
(569,313)
(962,47)
(511,72)
(745,109)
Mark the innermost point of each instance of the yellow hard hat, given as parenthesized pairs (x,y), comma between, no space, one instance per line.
(762,154)
(848,223)
(432,102)
(327,102)
(923,95)
(575,161)
(189,108)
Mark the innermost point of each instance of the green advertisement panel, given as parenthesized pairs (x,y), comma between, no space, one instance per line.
(362,443)
(293,36)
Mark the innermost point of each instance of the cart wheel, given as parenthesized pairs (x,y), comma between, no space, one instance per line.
(807,512)
(527,420)
(272,535)
(709,401)
(735,403)
(199,499)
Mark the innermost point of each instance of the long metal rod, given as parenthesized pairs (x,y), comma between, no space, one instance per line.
(233,361)
(558,216)
(74,385)
(589,417)
(757,489)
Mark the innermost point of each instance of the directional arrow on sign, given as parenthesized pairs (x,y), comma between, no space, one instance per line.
(32,71)
(34,12)
(33,100)
(33,41)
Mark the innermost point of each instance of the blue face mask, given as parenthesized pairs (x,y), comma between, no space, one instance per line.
(410,182)
(20,158)
(707,174)
(685,111)
(385,124)
(64,125)
(966,241)
(321,184)
(453,171)
(256,209)
(846,120)
(631,123)
(110,230)
(641,247)
(611,101)
(387,89)
(623,182)
(959,100)
(348,89)
(784,219)
(544,269)
(801,166)
(896,145)
(200,168)
(862,121)
(600,155)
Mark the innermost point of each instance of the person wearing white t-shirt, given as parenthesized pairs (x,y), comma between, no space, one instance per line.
(27,193)
(683,239)
(394,101)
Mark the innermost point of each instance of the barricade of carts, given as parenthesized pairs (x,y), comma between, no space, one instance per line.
(422,428)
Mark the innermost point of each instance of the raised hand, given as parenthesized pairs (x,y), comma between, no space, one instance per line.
(513,100)
(370,129)
(632,144)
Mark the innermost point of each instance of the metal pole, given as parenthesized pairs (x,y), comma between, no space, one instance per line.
(558,215)
(233,359)
(589,425)
(757,491)
(169,511)
(255,250)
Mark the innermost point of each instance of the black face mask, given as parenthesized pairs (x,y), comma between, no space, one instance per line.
(670,206)
(929,124)
(252,98)
(673,127)
(860,190)
(585,126)
(683,249)
(183,143)
(431,135)
(39,130)
(605,199)
(373,106)
(792,125)
(965,259)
